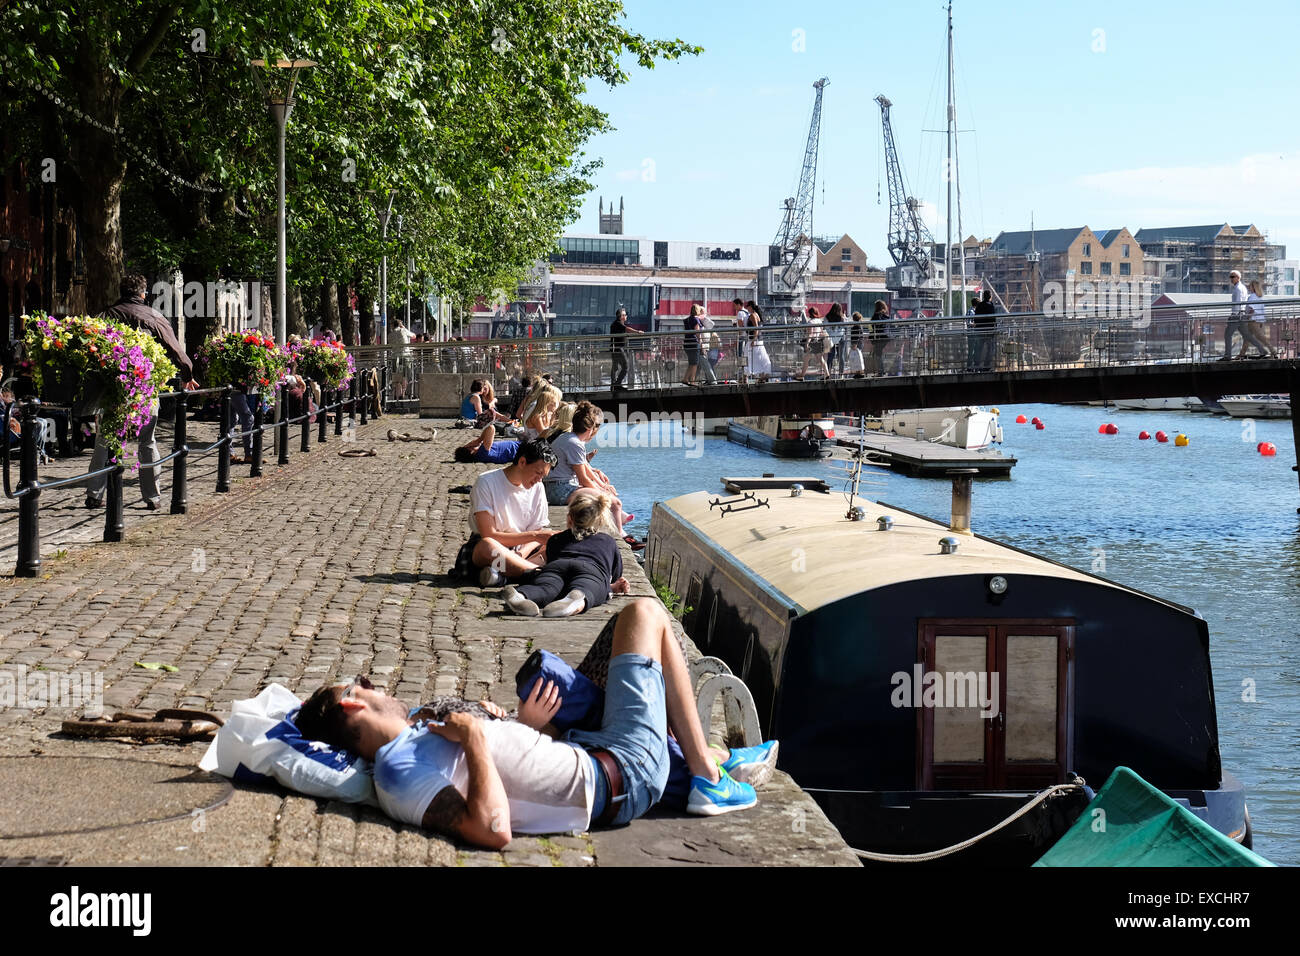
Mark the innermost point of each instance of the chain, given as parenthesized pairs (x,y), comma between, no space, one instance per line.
(114,131)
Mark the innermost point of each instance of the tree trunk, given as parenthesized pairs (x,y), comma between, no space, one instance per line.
(329,305)
(102,170)
(266,318)
(296,322)
(366,305)
(345,313)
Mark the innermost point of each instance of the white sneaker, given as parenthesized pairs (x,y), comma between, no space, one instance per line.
(518,604)
(491,578)
(575,602)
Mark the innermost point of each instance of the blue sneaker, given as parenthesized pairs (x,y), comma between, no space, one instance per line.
(753,765)
(710,799)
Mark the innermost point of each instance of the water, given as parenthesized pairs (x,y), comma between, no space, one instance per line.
(1212,526)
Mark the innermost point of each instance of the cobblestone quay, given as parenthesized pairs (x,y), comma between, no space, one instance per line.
(321,569)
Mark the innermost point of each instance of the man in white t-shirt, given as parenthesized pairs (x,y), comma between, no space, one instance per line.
(483,780)
(508,516)
(1234,323)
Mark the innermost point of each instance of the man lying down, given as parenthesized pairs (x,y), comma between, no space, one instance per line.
(481,779)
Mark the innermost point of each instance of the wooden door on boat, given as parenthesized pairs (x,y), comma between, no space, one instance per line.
(994,703)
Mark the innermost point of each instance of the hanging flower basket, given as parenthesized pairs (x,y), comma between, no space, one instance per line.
(247,361)
(98,364)
(328,364)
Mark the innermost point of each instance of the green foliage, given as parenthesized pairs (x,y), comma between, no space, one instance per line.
(673,601)
(471,112)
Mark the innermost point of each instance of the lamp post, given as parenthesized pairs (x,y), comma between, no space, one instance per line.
(384,215)
(280,105)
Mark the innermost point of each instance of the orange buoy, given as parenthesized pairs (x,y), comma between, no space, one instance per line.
(1143,435)
(1181,440)
(1162,437)
(1021,419)
(1040,426)
(1267,449)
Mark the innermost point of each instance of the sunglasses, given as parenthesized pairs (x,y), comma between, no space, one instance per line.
(359,681)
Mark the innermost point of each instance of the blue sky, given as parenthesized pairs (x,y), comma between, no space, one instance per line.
(1105,114)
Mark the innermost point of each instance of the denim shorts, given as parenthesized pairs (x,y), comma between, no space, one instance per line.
(635,730)
(557,492)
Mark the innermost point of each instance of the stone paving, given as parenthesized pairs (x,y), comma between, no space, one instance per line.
(321,569)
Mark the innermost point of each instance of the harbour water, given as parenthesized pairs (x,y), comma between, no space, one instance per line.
(1212,525)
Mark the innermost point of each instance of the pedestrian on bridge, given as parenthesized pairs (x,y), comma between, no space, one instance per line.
(879,336)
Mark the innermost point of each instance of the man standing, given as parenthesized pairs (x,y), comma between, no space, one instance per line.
(1234,323)
(618,350)
(131,309)
(742,320)
(984,323)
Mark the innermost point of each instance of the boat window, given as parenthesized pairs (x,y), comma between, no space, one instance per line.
(959,730)
(713,618)
(672,573)
(693,593)
(1031,671)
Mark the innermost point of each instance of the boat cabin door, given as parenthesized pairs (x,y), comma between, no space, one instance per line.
(993,703)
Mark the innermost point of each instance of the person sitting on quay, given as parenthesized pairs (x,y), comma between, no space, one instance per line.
(582,564)
(471,406)
(508,518)
(575,426)
(482,781)
(488,449)
(539,408)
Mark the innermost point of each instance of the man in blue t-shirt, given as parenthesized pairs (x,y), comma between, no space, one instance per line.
(482,780)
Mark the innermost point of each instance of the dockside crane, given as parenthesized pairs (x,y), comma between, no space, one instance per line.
(783,283)
(916,279)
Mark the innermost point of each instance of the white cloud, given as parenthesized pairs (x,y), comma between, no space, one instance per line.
(1260,185)
(626,175)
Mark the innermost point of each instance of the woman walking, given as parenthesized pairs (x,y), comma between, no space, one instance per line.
(835,333)
(1252,330)
(879,336)
(760,365)
(815,344)
(691,343)
(854,361)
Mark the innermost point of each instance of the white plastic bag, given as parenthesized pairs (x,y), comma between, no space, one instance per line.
(259,741)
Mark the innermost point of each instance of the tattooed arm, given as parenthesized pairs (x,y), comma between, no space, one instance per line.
(483,816)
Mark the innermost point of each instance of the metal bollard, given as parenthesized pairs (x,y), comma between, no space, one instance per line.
(365,397)
(113,525)
(305,411)
(321,416)
(223,452)
(338,411)
(282,434)
(258,419)
(180,464)
(29,523)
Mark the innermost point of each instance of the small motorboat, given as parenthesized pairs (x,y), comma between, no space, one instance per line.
(1257,406)
(784,437)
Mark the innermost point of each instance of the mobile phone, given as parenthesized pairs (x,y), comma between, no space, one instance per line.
(531,668)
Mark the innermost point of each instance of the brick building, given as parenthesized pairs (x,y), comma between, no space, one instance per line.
(1019,266)
(1203,256)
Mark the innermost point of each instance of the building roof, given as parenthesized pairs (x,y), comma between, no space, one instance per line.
(1107,237)
(1189,233)
(1044,240)
(824,244)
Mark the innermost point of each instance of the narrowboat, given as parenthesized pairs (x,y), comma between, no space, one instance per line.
(926,683)
(784,437)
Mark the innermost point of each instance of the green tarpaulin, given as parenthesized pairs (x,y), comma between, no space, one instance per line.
(1131,823)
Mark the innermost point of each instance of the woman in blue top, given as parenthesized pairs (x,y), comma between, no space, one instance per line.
(471,406)
(691,343)
(577,425)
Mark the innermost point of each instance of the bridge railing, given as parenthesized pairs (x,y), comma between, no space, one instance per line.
(1061,339)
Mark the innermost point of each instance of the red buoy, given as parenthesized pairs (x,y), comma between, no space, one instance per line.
(1040,426)
(1161,437)
(1143,435)
(1102,430)
(1112,429)
(1035,420)
(1267,449)
(1020,419)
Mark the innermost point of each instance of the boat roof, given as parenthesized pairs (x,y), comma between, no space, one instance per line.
(765,540)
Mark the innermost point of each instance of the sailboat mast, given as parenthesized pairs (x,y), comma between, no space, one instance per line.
(956,161)
(948,175)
